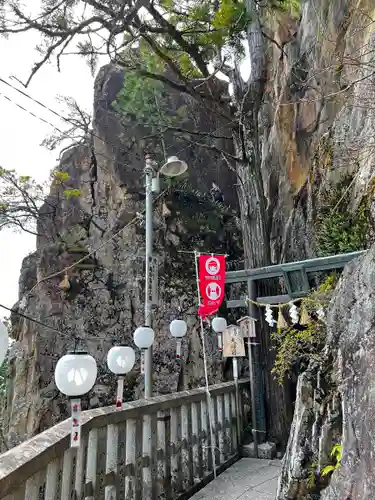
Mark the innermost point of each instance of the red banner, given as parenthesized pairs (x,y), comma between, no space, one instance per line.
(211,283)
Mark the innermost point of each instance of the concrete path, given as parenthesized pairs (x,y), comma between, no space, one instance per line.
(247,479)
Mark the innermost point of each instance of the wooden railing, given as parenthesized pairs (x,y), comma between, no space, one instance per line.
(158,448)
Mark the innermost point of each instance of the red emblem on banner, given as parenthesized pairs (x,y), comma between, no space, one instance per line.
(211,283)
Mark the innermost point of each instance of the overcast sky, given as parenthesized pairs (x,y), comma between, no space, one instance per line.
(21,134)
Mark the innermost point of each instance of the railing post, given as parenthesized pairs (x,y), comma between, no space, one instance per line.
(238,414)
(227,426)
(51,480)
(66,481)
(233,421)
(91,466)
(130,458)
(197,471)
(185,465)
(212,425)
(161,455)
(220,427)
(32,487)
(204,437)
(80,468)
(111,462)
(146,458)
(175,470)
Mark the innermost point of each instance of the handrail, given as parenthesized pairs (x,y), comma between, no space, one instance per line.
(33,455)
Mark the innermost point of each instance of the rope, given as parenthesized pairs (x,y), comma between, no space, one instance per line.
(277,306)
(209,401)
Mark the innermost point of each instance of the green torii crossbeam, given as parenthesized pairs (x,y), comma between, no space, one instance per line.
(284,271)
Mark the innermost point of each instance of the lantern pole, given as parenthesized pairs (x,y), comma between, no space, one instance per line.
(148,171)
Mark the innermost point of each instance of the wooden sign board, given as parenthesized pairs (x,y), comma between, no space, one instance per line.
(247,327)
(233,344)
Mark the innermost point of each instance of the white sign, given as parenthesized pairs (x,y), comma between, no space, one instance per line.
(247,327)
(233,342)
(213,291)
(212,266)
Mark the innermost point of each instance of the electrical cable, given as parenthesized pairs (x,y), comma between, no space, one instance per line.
(69,137)
(72,122)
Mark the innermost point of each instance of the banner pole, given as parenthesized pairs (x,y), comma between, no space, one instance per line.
(208,394)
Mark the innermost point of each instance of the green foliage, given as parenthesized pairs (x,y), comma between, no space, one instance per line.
(60,177)
(295,346)
(338,229)
(311,476)
(20,199)
(336,457)
(72,193)
(293,7)
(144,102)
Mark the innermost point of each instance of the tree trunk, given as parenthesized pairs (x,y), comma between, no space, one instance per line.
(254,212)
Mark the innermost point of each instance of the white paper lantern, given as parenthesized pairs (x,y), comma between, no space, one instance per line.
(4,342)
(144,337)
(121,359)
(219,325)
(75,374)
(178,328)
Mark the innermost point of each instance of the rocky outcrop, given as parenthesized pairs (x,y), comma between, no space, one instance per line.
(335,404)
(317,118)
(104,303)
(316,124)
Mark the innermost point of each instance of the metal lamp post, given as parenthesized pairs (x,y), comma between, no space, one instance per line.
(172,168)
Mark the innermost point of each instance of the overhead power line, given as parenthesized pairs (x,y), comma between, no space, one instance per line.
(74,123)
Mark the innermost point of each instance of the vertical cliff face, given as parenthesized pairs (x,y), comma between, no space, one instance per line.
(317,118)
(104,303)
(318,151)
(335,404)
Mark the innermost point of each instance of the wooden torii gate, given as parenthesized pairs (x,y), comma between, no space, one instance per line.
(295,276)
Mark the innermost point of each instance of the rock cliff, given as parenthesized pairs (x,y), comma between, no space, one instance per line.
(104,303)
(318,153)
(317,119)
(335,406)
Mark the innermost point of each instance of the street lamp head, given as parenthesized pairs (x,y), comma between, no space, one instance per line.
(4,342)
(121,359)
(75,374)
(219,325)
(144,337)
(178,328)
(173,167)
